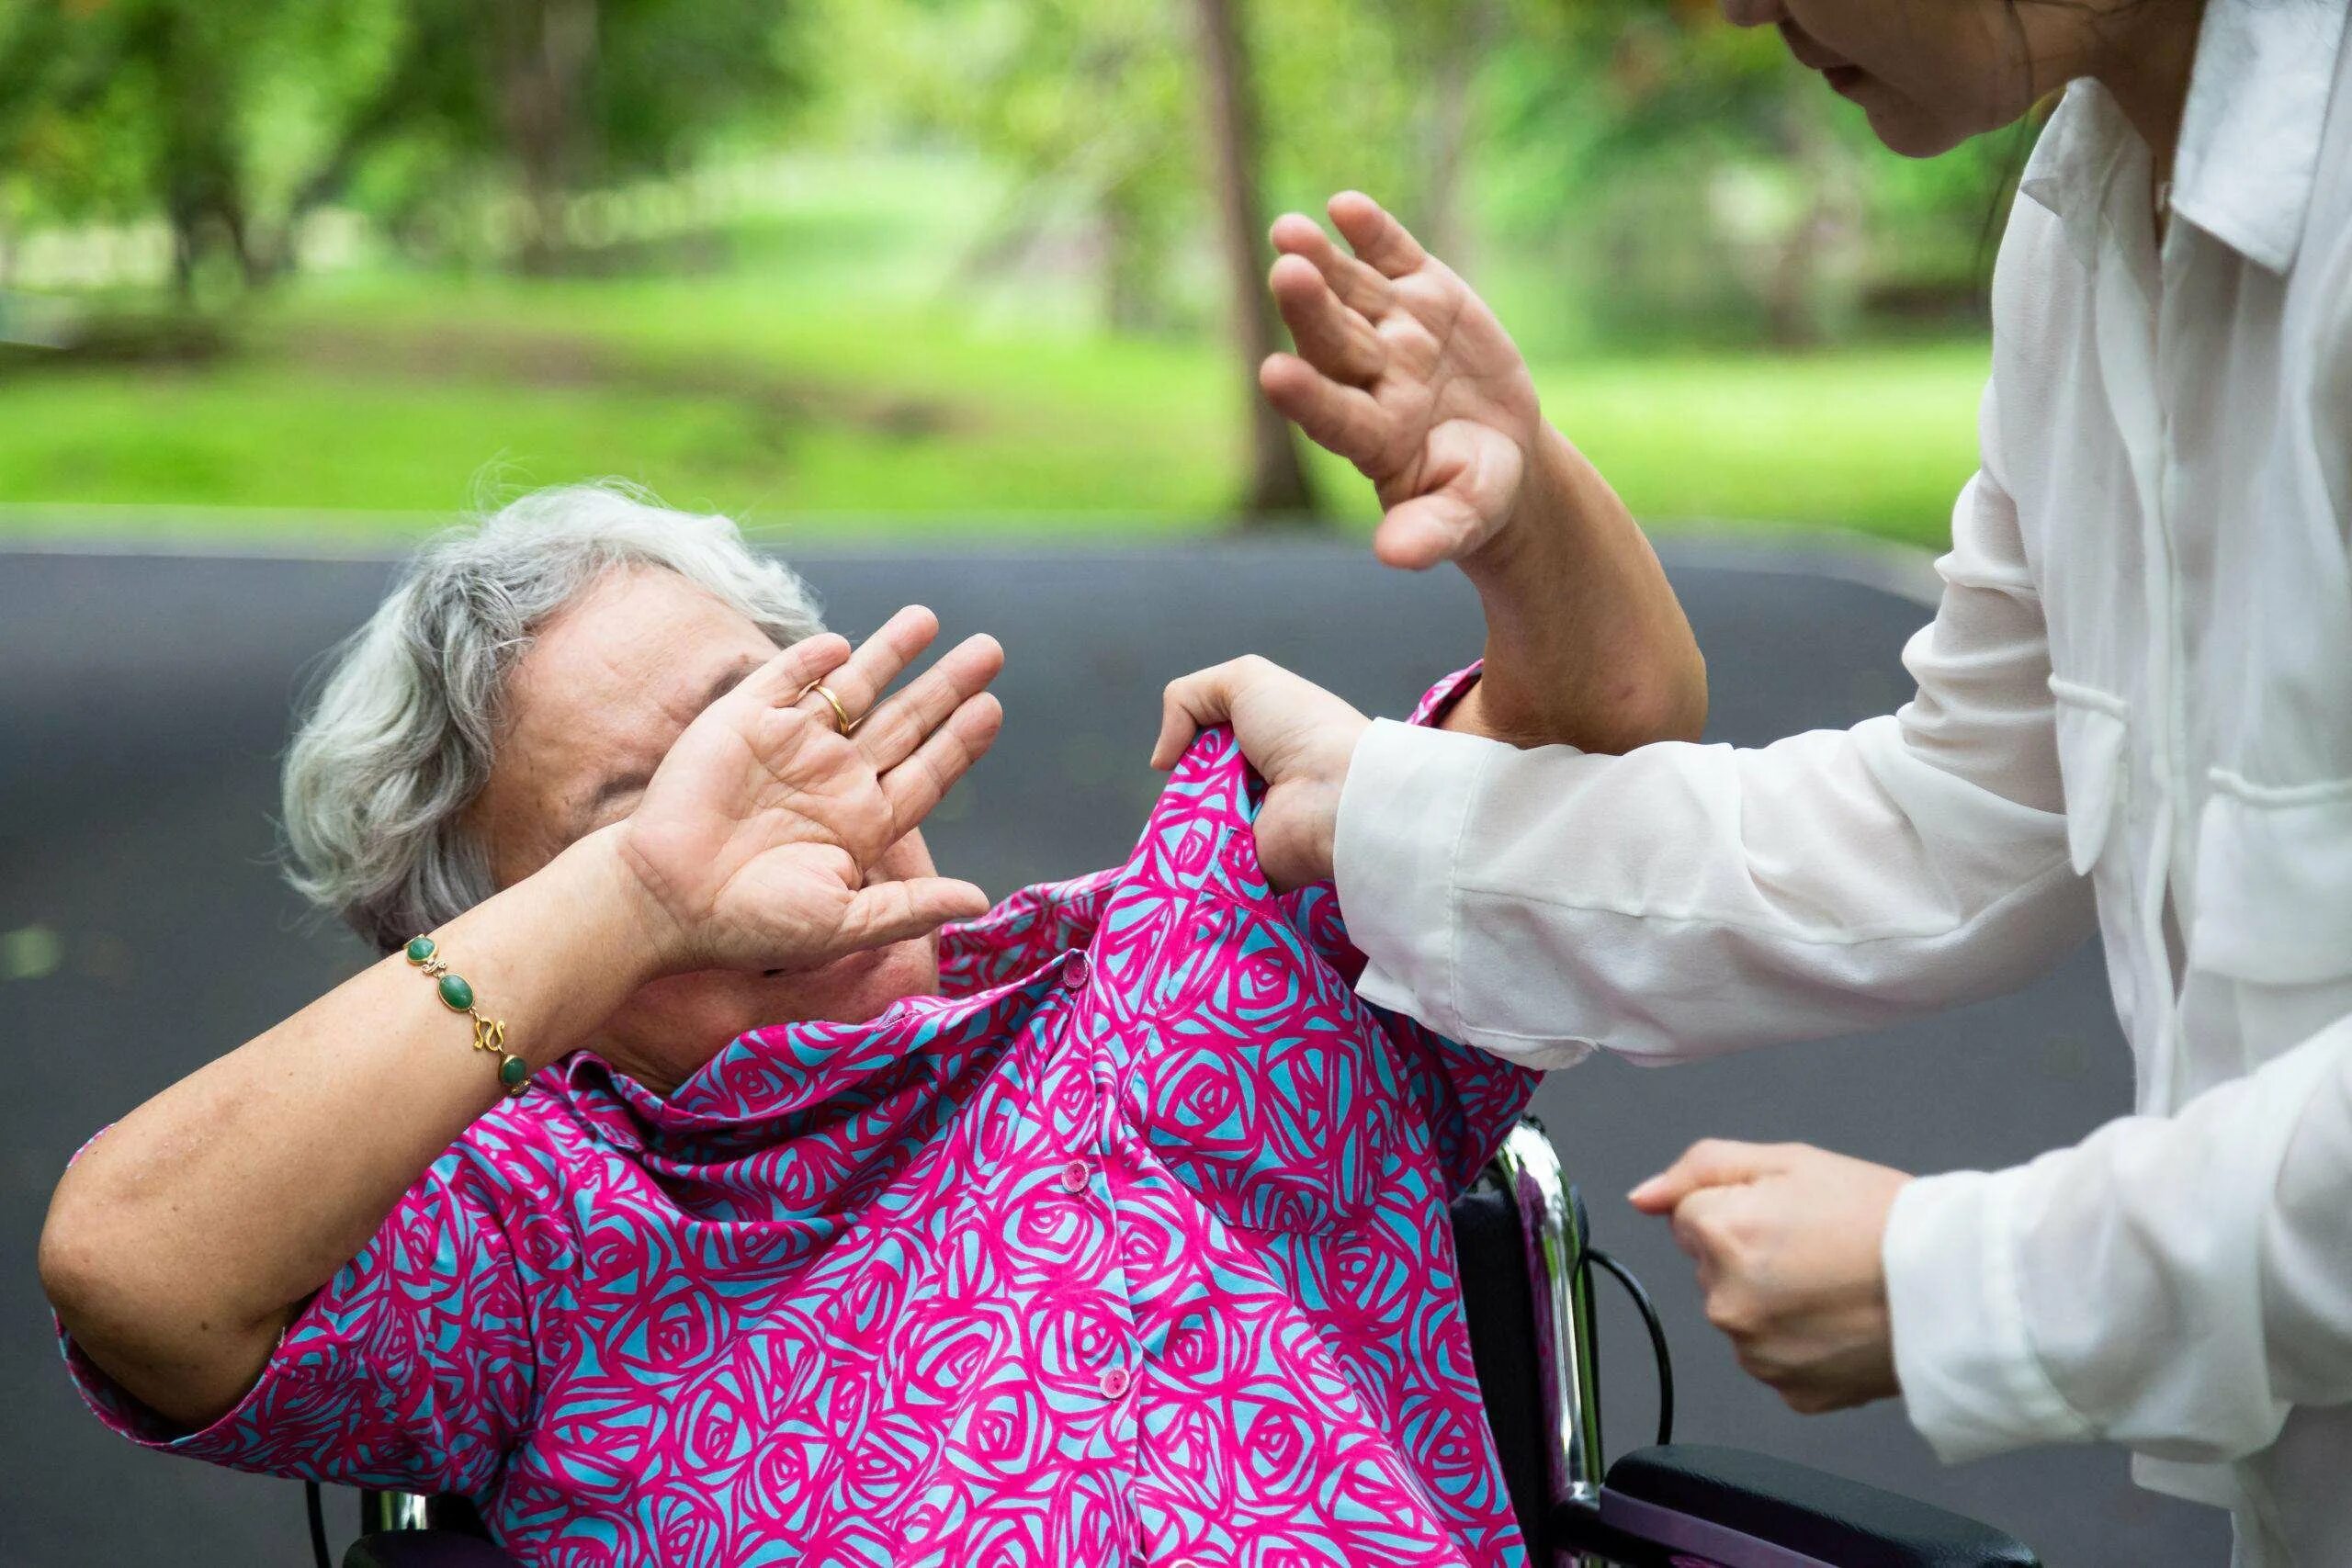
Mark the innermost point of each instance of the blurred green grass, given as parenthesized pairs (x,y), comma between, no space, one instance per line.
(827,373)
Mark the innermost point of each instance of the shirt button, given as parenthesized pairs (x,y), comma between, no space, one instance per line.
(1075,1176)
(1076,971)
(1115,1382)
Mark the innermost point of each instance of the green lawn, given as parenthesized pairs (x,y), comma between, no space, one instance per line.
(818,382)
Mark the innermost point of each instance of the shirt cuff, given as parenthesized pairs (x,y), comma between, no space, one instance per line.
(1401,814)
(127,1416)
(1973,1383)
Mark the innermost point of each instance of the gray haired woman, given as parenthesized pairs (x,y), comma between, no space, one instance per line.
(762,1219)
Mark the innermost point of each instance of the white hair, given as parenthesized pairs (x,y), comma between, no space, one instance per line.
(401,738)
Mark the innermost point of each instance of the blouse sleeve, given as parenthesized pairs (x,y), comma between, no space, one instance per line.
(411,1370)
(2178,1284)
(1683,900)
(1468,1099)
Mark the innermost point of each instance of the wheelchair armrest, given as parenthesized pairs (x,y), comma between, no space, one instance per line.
(424,1549)
(1748,1510)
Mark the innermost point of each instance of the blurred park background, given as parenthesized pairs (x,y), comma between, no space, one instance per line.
(932,266)
(943,296)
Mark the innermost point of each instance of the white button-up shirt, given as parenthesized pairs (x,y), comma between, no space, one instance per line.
(2134,705)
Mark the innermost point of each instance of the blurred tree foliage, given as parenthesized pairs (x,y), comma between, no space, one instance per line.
(1708,178)
(234,122)
(1670,175)
(1089,105)
(1635,168)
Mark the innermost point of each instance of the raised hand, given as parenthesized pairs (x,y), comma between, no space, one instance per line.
(1402,370)
(753,843)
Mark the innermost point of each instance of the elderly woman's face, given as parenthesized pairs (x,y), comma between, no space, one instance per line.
(593,706)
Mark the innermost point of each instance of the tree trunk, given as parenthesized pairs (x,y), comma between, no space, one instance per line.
(1453,74)
(1130,265)
(1278,491)
(201,172)
(545,51)
(1797,306)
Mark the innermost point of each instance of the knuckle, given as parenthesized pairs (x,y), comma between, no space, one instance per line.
(1735,1248)
(1732,1313)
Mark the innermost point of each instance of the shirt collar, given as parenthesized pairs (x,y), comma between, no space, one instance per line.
(2249,132)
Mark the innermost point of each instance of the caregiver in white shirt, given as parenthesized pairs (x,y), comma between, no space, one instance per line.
(2134,710)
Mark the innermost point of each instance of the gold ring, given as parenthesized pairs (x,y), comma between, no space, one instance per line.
(849,725)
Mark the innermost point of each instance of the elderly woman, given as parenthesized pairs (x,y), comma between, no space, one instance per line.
(677,1189)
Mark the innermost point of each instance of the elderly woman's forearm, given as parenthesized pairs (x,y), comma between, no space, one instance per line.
(184,1239)
(1586,642)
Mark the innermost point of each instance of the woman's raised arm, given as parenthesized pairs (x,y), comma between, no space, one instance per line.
(1404,371)
(180,1244)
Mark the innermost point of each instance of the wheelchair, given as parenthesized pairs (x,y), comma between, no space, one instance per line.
(1520,1237)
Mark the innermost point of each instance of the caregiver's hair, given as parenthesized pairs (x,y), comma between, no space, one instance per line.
(400,740)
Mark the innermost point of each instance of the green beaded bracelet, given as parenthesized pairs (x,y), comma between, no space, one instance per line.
(489,1034)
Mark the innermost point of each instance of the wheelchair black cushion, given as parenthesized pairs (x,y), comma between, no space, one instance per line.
(425,1548)
(1823,1516)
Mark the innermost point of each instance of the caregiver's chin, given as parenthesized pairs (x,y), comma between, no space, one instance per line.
(593,707)
(1931,73)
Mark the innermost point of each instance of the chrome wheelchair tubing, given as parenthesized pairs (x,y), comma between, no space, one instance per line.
(382,1511)
(1563,1289)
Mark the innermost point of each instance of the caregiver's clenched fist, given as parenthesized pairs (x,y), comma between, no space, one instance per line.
(1299,738)
(1787,1239)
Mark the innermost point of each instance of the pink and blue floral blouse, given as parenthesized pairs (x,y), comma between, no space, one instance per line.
(1129,1250)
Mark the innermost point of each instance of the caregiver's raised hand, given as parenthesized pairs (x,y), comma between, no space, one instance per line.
(1405,372)
(1299,738)
(752,847)
(1402,370)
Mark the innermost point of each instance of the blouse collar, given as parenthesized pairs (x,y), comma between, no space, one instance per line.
(2250,132)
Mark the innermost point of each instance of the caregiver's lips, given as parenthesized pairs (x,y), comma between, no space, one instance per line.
(1842,75)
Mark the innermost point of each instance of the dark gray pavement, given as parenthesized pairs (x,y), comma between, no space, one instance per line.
(143,931)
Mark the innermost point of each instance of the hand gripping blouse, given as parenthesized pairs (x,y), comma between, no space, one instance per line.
(1131,1248)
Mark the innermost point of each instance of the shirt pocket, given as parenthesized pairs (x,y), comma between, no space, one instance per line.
(2274,881)
(2094,764)
(1264,1085)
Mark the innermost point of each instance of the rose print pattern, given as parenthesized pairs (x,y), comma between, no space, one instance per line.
(1132,1248)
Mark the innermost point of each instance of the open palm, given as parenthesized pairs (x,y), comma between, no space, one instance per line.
(1402,370)
(757,835)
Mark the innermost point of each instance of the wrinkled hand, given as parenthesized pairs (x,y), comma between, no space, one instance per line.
(1402,370)
(1299,738)
(753,845)
(1787,1241)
